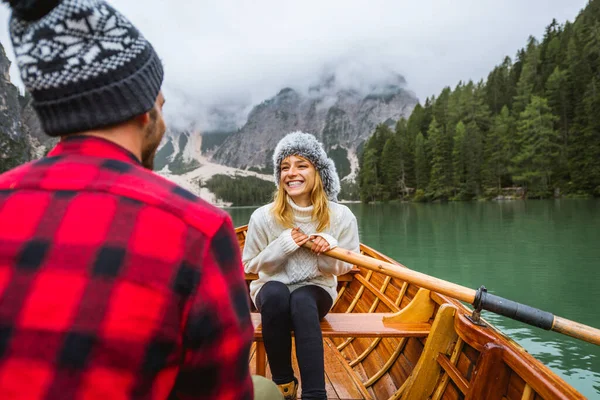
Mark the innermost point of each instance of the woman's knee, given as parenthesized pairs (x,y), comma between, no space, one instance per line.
(311,300)
(274,297)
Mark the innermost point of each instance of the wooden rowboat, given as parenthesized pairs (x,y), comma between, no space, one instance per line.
(386,338)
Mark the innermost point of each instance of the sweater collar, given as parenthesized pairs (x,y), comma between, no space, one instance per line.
(302,214)
(92,146)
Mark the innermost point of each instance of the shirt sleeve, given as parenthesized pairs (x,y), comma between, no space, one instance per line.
(218,329)
(347,239)
(259,254)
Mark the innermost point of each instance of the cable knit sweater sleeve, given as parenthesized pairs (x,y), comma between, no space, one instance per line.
(347,238)
(262,254)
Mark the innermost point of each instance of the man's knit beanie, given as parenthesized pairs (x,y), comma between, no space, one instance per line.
(85,65)
(306,146)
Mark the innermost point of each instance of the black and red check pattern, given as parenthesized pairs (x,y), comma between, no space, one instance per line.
(116,284)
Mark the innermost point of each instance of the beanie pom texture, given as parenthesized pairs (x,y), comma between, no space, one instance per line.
(31,10)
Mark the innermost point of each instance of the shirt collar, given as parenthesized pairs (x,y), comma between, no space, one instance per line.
(92,146)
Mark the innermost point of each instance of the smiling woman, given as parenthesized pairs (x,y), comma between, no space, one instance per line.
(296,288)
(298,179)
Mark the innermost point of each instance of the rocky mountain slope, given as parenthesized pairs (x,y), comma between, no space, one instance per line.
(21,135)
(341,118)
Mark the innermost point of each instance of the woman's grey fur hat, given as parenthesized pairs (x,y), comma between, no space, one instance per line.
(306,145)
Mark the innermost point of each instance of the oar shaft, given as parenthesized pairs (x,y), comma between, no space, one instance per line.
(576,330)
(487,301)
(418,278)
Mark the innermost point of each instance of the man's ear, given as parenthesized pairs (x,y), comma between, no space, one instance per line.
(143,119)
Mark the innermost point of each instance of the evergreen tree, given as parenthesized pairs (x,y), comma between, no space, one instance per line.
(455,106)
(558,100)
(421,162)
(391,169)
(538,148)
(440,109)
(459,159)
(477,110)
(550,50)
(406,143)
(370,163)
(427,115)
(515,72)
(473,145)
(499,89)
(415,121)
(528,78)
(465,101)
(499,149)
(370,185)
(440,177)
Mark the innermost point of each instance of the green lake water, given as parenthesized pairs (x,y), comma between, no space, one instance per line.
(545,254)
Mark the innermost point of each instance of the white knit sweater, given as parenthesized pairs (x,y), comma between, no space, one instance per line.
(271,252)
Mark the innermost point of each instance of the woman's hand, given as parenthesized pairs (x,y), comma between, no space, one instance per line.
(320,245)
(299,237)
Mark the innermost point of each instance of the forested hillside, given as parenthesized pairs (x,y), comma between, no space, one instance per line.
(531,129)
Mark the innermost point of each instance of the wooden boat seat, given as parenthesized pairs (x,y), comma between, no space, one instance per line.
(359,325)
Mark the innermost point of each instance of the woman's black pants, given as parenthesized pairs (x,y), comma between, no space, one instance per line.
(300,311)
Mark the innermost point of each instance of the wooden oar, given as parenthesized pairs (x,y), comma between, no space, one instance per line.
(480,299)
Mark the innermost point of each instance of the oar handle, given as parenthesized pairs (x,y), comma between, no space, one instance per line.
(512,309)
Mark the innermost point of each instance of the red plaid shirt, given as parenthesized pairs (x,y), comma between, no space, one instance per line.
(116,283)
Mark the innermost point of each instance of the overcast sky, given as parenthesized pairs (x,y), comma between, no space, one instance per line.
(242,52)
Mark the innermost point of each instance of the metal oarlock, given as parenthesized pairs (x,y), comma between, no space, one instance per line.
(477,307)
(511,309)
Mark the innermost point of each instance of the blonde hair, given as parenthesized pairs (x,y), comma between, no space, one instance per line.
(284,215)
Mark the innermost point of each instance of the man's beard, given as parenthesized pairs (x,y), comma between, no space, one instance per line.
(152,141)
(148,156)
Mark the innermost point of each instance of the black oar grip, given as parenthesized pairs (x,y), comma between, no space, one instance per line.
(514,310)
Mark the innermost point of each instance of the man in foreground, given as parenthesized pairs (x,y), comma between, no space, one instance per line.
(114,282)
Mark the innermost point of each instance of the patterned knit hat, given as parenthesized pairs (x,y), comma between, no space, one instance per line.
(306,146)
(85,65)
